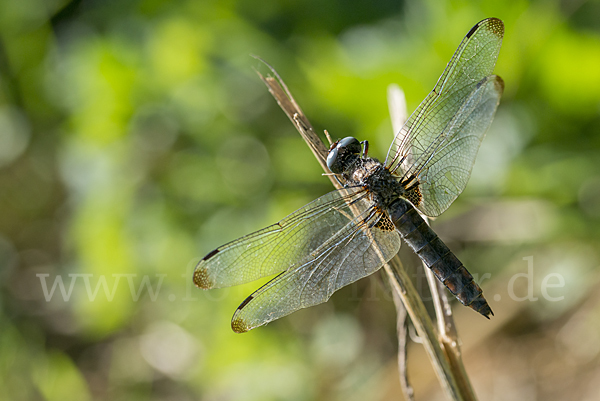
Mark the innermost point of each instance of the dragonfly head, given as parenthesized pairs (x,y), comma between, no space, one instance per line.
(339,152)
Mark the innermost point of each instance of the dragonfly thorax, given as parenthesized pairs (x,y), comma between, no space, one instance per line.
(370,173)
(358,170)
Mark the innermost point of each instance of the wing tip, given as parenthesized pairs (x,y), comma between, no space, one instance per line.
(201,278)
(496,26)
(239,325)
(499,82)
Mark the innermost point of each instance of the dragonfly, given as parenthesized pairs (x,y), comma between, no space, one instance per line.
(352,232)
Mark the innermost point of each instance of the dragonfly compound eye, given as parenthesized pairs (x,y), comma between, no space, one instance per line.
(337,155)
(350,145)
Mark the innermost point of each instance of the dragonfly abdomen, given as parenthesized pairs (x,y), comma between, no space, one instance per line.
(438,257)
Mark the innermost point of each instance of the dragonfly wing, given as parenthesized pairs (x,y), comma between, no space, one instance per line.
(445,172)
(434,123)
(357,250)
(277,247)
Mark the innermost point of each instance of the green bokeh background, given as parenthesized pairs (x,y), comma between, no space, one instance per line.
(135,137)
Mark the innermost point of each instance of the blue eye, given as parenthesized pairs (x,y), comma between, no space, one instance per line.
(337,155)
(332,162)
(351,145)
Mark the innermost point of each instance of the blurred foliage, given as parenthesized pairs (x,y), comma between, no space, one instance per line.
(135,137)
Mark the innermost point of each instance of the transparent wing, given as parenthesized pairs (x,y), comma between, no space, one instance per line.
(461,105)
(446,170)
(279,246)
(357,250)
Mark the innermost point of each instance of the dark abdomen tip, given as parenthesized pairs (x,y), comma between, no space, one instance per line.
(481,306)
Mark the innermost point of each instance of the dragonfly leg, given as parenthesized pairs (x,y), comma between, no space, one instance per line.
(365,144)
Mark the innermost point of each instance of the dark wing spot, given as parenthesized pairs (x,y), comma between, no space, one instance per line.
(414,196)
(472,31)
(245,302)
(211,254)
(385,224)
